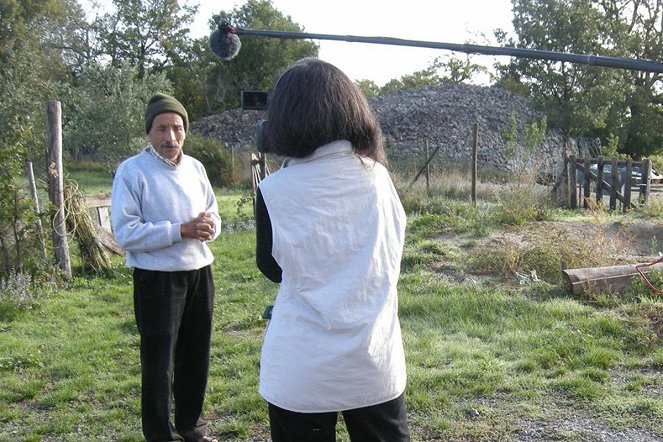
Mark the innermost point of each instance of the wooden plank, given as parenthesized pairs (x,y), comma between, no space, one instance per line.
(645,187)
(587,185)
(98,200)
(615,184)
(414,180)
(103,215)
(613,284)
(573,191)
(599,180)
(627,185)
(614,279)
(587,273)
(106,238)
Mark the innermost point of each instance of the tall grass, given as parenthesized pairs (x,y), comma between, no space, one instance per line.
(486,360)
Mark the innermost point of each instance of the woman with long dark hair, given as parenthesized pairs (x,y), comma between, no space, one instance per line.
(330,230)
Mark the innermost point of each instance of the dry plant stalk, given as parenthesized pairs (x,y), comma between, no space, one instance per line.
(79,222)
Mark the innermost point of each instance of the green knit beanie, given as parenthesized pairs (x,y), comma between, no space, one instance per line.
(162,103)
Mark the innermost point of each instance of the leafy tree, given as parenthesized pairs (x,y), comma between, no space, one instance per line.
(107,109)
(47,29)
(460,70)
(453,70)
(368,87)
(563,89)
(192,76)
(521,146)
(610,149)
(534,135)
(35,37)
(22,139)
(637,117)
(587,100)
(415,80)
(17,23)
(510,136)
(260,59)
(146,33)
(18,233)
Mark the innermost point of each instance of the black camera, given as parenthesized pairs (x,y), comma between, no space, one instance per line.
(253,100)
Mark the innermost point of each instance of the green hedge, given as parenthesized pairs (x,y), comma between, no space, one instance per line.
(216,159)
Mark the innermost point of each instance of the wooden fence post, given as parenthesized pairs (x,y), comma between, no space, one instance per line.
(427,169)
(475,161)
(55,186)
(645,187)
(599,180)
(615,183)
(563,178)
(587,183)
(573,188)
(626,206)
(35,197)
(262,159)
(430,158)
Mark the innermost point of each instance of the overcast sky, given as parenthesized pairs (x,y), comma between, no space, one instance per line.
(466,21)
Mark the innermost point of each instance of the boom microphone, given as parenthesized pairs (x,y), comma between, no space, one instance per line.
(224,42)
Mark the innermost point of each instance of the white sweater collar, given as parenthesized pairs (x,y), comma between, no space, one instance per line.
(335,148)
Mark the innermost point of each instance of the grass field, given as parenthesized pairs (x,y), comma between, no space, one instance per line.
(486,361)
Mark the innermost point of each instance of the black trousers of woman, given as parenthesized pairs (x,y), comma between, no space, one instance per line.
(174,317)
(384,422)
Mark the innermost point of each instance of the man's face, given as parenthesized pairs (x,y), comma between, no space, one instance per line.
(167,135)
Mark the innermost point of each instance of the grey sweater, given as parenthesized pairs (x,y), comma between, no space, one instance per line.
(150,200)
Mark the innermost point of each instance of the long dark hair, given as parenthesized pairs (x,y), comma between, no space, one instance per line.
(315,103)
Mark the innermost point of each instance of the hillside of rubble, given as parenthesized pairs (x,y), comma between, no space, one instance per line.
(444,116)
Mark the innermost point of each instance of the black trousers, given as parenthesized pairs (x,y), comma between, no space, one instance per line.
(384,422)
(174,317)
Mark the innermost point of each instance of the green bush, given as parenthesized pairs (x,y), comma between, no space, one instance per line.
(214,157)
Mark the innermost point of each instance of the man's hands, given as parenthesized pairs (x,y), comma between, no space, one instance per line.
(200,228)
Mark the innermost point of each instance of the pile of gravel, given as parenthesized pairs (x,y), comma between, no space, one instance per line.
(444,116)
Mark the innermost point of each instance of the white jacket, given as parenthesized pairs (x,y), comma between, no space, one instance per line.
(334,342)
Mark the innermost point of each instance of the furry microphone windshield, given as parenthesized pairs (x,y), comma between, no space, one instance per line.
(224,42)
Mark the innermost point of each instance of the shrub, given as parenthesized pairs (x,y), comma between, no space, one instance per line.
(652,210)
(215,158)
(17,289)
(19,229)
(21,291)
(541,252)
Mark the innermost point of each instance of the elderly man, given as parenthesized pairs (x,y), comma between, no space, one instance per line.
(164,212)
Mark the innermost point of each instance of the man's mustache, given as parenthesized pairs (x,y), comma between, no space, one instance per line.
(169,145)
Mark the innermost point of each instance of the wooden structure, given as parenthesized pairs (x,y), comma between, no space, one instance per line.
(35,197)
(259,170)
(617,181)
(100,205)
(56,187)
(614,279)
